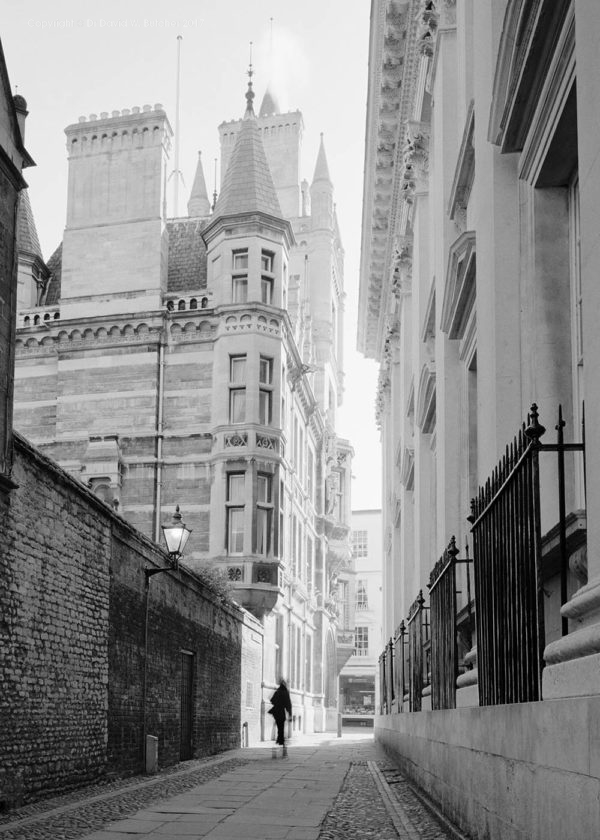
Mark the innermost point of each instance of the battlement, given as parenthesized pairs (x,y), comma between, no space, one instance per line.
(131,127)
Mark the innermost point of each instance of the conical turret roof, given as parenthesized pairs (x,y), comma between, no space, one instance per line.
(27,235)
(199,205)
(269,105)
(321,168)
(248,184)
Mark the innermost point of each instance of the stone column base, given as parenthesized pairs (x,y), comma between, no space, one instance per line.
(573,662)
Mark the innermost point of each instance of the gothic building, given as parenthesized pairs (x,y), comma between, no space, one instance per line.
(197,361)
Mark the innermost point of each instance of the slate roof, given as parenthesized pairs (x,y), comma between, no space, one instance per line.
(187,255)
(55,269)
(27,235)
(248,184)
(186,260)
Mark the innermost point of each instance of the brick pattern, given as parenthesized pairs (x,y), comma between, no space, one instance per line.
(72,620)
(187,256)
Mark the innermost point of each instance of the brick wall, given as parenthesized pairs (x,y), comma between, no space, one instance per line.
(54,573)
(72,629)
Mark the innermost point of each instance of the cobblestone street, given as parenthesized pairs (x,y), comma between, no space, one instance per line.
(326,789)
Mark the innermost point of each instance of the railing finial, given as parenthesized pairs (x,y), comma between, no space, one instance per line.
(534,430)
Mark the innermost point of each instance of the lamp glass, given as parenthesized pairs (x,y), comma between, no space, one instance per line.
(176,535)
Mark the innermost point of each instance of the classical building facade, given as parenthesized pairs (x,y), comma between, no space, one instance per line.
(197,361)
(359,679)
(478,296)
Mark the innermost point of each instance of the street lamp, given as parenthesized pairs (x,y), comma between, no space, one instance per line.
(176,536)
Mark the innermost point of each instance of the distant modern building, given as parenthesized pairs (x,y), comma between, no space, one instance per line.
(359,687)
(197,361)
(479,298)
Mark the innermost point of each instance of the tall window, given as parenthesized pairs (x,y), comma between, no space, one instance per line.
(310,474)
(308,662)
(239,276)
(309,562)
(359,544)
(264,513)
(361,641)
(344,604)
(362,602)
(235,512)
(267,278)
(265,394)
(237,389)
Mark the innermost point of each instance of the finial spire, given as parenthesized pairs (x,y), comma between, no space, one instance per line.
(250,92)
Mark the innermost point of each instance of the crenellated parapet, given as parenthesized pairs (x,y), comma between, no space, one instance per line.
(129,128)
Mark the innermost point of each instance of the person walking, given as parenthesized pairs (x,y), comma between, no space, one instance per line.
(281,709)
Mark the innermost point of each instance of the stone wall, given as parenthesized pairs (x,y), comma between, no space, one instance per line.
(528,771)
(72,631)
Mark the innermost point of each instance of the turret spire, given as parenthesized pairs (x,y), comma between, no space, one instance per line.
(199,205)
(248,183)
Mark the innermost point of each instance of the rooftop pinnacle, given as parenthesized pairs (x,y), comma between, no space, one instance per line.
(199,205)
(321,168)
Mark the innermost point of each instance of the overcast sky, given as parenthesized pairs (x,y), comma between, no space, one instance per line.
(72,58)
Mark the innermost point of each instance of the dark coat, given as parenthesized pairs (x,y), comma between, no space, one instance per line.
(281,703)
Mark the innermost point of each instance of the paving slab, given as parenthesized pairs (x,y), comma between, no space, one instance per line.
(326,789)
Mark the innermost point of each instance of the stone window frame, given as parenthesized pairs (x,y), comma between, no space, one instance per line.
(234,505)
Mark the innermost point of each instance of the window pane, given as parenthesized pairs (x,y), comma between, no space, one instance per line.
(264,489)
(266,261)
(263,517)
(235,535)
(361,641)
(240,260)
(266,290)
(240,290)
(235,487)
(237,405)
(237,369)
(265,372)
(264,407)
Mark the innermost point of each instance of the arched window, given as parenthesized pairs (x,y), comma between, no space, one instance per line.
(193,303)
(181,305)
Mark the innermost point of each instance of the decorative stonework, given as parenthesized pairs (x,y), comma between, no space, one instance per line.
(235,439)
(267,442)
(235,573)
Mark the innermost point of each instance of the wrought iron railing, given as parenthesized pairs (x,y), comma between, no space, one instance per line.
(444,615)
(508,589)
(507,550)
(417,635)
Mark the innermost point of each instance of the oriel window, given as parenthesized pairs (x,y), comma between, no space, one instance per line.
(237,389)
(264,513)
(265,394)
(236,483)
